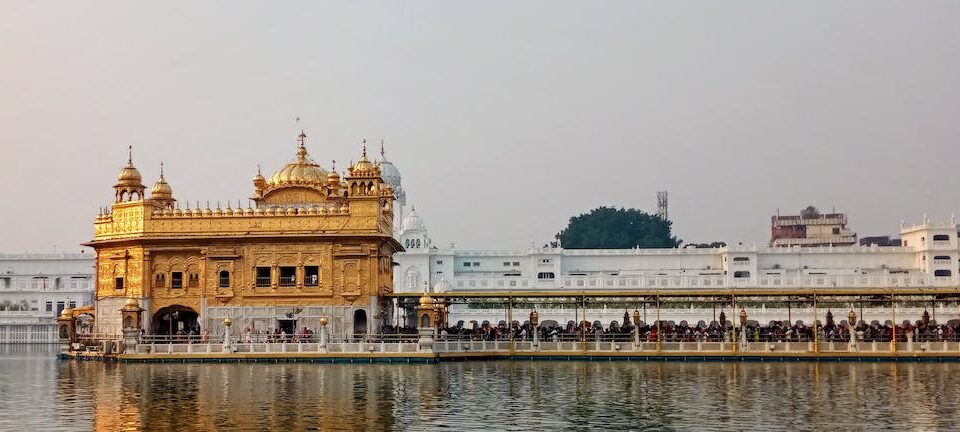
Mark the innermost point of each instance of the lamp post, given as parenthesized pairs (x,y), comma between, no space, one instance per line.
(636,328)
(227,322)
(852,323)
(535,323)
(743,329)
(323,332)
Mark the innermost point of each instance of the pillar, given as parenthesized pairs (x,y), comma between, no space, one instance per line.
(130,322)
(227,342)
(66,329)
(426,323)
(324,337)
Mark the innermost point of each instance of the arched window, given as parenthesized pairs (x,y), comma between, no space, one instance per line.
(418,243)
(412,279)
(224,279)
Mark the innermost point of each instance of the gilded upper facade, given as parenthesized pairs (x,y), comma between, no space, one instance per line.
(310,243)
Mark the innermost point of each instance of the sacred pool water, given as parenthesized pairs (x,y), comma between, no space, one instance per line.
(40,392)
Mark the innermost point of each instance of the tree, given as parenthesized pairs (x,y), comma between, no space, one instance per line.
(611,228)
(810,212)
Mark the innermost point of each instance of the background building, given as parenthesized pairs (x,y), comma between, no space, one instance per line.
(927,258)
(811,228)
(34,288)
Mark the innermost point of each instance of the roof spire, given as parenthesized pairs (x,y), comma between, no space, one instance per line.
(364,148)
(161,171)
(302,149)
(382,153)
(334,165)
(129,155)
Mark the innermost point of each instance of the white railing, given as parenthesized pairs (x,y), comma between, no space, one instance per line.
(660,282)
(216,346)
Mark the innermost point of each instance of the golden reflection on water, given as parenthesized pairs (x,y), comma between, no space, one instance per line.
(501,395)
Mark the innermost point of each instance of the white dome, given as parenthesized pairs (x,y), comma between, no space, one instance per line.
(413,222)
(389,173)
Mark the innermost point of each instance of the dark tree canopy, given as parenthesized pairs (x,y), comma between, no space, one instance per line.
(611,228)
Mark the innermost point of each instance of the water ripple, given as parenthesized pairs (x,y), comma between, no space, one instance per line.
(40,392)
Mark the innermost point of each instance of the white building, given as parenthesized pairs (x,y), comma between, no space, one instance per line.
(34,288)
(390,174)
(928,258)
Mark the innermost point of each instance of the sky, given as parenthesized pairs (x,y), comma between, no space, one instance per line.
(505,118)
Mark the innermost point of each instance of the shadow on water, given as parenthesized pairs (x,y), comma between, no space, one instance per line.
(41,392)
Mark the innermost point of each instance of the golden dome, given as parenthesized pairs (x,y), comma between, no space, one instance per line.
(301,171)
(425,300)
(333,178)
(161,189)
(129,175)
(258,179)
(131,303)
(66,313)
(363,166)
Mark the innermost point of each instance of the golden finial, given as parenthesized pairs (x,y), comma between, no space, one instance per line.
(161,170)
(302,149)
(364,148)
(333,165)
(130,154)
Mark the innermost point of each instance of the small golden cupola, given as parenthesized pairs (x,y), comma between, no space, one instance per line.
(363,177)
(259,182)
(162,193)
(364,167)
(129,185)
(333,178)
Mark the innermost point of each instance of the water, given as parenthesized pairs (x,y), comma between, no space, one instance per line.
(40,392)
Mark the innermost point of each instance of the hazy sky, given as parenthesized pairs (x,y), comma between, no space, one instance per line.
(505,118)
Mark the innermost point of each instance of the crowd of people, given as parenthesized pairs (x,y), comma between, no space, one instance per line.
(716,331)
(719,330)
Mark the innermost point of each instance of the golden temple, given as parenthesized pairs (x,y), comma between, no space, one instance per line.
(311,245)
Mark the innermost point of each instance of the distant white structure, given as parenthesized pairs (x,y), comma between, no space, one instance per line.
(34,288)
(390,174)
(928,257)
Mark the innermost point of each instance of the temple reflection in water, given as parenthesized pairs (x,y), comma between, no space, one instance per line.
(478,395)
